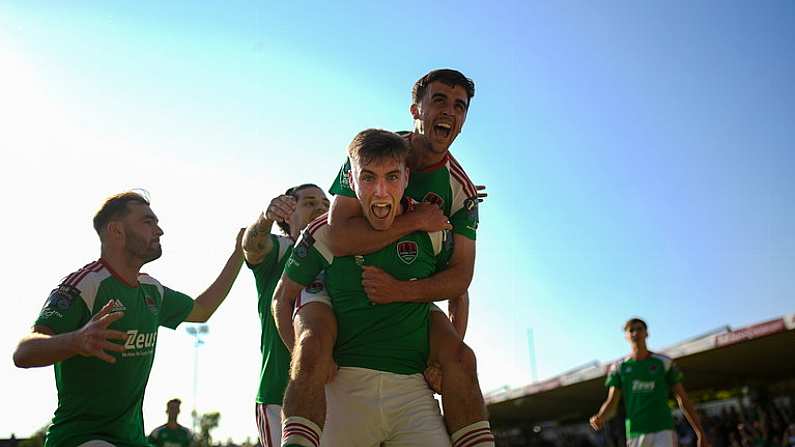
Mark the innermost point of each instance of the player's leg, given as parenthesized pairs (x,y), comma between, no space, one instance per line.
(664,438)
(464,408)
(354,412)
(412,413)
(312,365)
(269,424)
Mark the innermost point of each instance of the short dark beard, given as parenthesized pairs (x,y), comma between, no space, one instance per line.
(138,248)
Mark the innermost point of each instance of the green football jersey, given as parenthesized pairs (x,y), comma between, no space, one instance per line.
(444,184)
(645,385)
(275,356)
(99,400)
(388,337)
(170,437)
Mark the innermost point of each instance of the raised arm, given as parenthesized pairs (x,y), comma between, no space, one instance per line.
(351,234)
(282,309)
(205,304)
(690,414)
(608,409)
(43,348)
(257,242)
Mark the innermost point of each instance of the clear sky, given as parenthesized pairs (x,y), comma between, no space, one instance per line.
(638,155)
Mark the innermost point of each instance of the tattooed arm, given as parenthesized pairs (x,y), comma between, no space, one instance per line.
(257,242)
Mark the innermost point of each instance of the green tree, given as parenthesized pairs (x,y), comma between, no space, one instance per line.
(207,422)
(36,439)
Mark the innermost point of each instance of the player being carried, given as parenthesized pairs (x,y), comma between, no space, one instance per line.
(101,383)
(379,396)
(645,380)
(440,101)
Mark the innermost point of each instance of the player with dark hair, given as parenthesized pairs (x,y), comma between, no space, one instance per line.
(100,382)
(171,434)
(440,101)
(645,380)
(379,395)
(266,255)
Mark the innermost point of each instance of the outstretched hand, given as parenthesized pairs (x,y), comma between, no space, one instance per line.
(92,340)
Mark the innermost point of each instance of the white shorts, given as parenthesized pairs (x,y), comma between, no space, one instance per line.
(665,438)
(369,408)
(269,424)
(315,292)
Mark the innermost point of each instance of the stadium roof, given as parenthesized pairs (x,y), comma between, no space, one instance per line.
(723,359)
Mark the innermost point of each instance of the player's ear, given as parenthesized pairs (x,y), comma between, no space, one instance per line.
(114,230)
(415,111)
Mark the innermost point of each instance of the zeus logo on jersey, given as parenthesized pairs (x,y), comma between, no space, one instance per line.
(139,343)
(642,386)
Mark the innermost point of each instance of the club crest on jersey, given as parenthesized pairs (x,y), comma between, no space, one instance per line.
(407,251)
(434,198)
(652,368)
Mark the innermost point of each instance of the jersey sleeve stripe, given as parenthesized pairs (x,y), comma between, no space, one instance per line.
(90,268)
(317,223)
(70,279)
(458,173)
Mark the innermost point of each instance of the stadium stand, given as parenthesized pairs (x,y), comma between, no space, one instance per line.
(742,379)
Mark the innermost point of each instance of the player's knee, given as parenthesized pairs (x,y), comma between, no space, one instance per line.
(311,352)
(466,359)
(459,356)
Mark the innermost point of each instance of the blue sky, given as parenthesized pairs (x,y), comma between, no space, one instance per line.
(638,158)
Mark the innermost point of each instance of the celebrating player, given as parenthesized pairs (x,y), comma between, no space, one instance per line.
(379,394)
(266,255)
(101,382)
(440,102)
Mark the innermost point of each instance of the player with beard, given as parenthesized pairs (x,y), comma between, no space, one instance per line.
(440,102)
(266,255)
(379,396)
(100,382)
